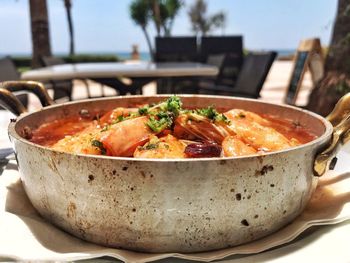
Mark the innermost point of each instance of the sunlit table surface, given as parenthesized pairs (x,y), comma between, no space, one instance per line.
(318,244)
(137,69)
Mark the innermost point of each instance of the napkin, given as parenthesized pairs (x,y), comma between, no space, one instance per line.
(25,235)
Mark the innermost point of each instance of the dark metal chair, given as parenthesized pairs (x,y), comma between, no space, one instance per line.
(232,49)
(175,49)
(250,80)
(8,72)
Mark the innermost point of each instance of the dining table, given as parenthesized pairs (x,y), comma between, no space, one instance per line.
(109,73)
(22,239)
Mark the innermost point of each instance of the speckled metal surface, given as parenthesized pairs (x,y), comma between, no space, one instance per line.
(169,205)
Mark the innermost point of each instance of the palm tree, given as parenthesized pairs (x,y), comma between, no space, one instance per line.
(155,9)
(162,12)
(202,24)
(168,11)
(40,31)
(139,12)
(336,81)
(68,6)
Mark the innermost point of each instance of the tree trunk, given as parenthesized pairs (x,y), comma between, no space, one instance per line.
(40,31)
(68,5)
(336,81)
(156,15)
(148,43)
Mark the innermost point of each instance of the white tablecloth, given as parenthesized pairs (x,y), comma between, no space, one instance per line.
(26,236)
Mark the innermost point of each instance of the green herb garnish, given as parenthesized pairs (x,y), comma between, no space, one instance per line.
(99,145)
(209,112)
(174,105)
(162,115)
(212,114)
(159,124)
(144,110)
(105,128)
(152,144)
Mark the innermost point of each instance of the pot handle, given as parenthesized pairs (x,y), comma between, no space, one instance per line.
(340,119)
(12,104)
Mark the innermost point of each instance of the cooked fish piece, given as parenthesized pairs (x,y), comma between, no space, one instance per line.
(164,147)
(120,139)
(80,142)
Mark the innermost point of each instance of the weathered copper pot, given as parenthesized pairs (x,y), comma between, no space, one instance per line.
(186,205)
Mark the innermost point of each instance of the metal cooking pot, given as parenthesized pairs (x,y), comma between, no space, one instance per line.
(186,205)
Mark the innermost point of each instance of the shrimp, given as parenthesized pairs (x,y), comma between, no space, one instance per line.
(249,116)
(193,126)
(113,115)
(121,139)
(260,137)
(233,146)
(164,147)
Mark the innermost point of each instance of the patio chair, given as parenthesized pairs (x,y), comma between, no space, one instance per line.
(8,71)
(250,80)
(175,49)
(231,47)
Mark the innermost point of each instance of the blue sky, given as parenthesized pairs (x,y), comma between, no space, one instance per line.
(105,25)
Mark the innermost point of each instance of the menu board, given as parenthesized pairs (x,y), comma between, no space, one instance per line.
(308,57)
(299,69)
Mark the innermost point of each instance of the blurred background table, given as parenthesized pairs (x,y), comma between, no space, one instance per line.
(140,73)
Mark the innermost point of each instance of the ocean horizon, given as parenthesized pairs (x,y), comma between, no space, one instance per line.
(145,56)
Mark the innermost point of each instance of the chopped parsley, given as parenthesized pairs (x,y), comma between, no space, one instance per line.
(144,110)
(174,105)
(153,144)
(99,145)
(159,124)
(162,115)
(105,128)
(212,114)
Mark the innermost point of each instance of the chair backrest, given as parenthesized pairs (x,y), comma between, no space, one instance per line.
(254,71)
(216,60)
(8,71)
(51,61)
(176,49)
(232,47)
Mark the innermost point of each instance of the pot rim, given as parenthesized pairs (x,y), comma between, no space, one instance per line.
(327,132)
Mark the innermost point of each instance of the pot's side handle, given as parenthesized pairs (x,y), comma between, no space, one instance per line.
(31,86)
(11,103)
(340,118)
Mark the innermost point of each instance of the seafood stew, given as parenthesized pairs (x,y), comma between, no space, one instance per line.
(167,130)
